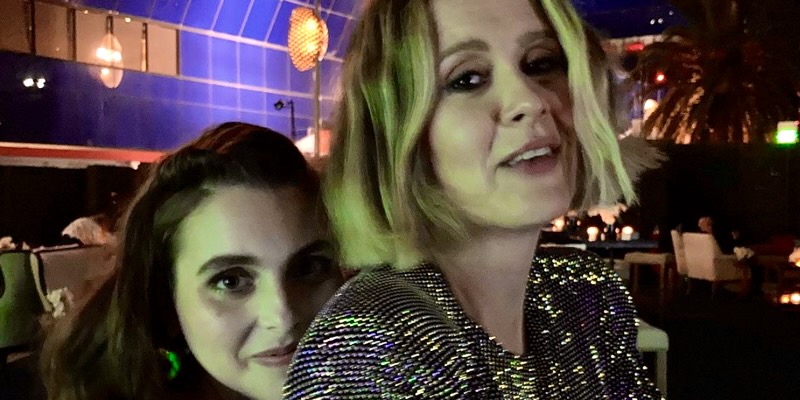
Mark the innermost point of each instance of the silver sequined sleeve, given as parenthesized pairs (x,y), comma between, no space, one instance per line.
(625,365)
(380,348)
(403,335)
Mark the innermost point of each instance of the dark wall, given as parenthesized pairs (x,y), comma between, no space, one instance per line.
(748,187)
(36,204)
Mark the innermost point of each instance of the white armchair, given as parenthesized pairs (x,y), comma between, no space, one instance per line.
(680,253)
(705,260)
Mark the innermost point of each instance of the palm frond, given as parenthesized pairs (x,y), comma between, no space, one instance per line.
(732,73)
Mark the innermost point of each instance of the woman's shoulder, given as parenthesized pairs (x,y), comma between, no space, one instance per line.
(580,271)
(379,301)
(580,261)
(380,334)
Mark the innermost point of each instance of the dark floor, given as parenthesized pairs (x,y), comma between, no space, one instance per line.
(727,347)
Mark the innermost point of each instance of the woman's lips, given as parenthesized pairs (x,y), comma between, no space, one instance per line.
(280,356)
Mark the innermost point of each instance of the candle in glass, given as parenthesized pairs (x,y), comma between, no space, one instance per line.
(592,231)
(627,233)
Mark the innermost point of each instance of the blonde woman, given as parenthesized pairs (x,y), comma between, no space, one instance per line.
(466,126)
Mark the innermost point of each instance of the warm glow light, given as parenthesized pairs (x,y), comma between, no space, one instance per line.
(312,25)
(40,83)
(785,299)
(308,38)
(127,19)
(795,298)
(634,47)
(592,231)
(110,54)
(627,233)
(28,82)
(558,224)
(103,54)
(650,105)
(661,78)
(308,142)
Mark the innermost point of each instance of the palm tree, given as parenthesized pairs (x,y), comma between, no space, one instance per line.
(731,75)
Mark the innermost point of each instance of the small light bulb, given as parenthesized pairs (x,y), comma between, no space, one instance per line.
(312,25)
(103,54)
(28,82)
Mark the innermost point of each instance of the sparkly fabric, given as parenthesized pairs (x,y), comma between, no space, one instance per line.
(403,335)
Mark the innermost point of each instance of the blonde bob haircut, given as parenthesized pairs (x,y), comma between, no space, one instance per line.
(385,204)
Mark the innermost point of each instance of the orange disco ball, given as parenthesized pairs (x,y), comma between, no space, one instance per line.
(308,38)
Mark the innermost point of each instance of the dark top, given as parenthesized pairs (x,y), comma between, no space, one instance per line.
(20,380)
(402,335)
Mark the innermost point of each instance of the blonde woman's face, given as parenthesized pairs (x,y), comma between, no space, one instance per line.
(495,135)
(252,270)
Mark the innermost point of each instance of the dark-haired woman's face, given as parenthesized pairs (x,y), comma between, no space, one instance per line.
(252,270)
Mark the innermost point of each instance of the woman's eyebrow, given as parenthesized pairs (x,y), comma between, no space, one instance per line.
(312,247)
(226,261)
(469,44)
(534,36)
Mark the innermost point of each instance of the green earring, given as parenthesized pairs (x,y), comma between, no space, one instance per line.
(174,362)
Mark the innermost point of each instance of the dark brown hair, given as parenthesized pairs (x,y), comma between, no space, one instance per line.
(108,348)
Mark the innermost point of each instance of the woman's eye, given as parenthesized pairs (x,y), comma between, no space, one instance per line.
(311,267)
(467,81)
(236,280)
(543,66)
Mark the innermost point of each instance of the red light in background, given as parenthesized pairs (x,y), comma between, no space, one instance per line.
(661,78)
(635,47)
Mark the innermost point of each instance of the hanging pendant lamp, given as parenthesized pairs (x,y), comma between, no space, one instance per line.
(308,43)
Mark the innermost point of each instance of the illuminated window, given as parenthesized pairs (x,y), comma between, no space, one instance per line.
(92,37)
(130,34)
(14,26)
(162,50)
(90,29)
(53,37)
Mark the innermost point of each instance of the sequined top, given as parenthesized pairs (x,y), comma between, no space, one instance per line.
(403,335)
